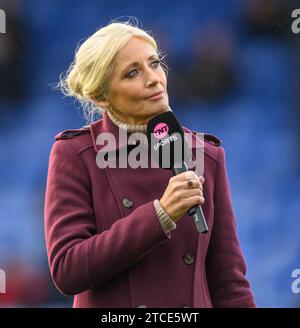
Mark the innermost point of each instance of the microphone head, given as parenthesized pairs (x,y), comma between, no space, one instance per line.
(166,140)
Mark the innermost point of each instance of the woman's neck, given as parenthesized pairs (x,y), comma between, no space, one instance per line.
(131,128)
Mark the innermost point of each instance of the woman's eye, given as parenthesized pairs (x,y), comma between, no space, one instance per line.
(131,73)
(156,62)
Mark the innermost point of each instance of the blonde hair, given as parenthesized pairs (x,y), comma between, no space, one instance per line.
(87,78)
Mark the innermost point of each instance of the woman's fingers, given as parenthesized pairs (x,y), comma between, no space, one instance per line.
(188,175)
(188,184)
(184,176)
(190,193)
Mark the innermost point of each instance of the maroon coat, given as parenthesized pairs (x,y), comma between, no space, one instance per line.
(107,247)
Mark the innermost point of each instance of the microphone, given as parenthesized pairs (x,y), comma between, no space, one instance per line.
(169,148)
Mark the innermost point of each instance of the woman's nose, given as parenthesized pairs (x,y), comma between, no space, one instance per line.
(152,77)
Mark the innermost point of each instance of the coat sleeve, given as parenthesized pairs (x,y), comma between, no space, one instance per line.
(225,264)
(79,258)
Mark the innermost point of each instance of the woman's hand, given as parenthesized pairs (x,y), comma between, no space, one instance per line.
(183,192)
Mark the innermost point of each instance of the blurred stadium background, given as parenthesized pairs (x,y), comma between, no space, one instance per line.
(233,72)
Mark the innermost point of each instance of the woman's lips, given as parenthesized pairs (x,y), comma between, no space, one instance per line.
(158,96)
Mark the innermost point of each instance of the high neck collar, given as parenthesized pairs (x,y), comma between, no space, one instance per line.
(130,128)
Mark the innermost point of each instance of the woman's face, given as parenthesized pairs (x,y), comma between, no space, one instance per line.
(137,74)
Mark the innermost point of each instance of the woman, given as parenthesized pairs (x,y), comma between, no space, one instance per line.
(120,237)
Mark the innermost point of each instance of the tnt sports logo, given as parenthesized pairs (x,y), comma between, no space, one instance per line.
(161,130)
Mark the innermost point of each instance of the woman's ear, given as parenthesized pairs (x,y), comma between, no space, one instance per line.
(101,103)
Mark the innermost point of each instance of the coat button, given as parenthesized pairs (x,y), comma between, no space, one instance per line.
(127,203)
(188,258)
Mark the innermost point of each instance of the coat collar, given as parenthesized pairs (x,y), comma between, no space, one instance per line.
(106,125)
